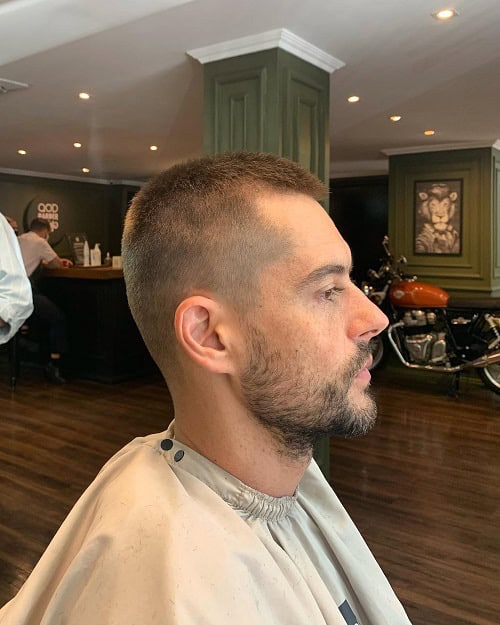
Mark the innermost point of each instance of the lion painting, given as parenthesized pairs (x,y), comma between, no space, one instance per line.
(438,213)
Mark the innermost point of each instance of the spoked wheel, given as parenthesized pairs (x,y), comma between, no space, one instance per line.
(378,351)
(491,377)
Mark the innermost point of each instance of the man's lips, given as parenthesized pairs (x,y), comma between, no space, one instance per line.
(364,373)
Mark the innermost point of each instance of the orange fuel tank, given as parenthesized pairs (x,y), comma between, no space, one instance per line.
(420,294)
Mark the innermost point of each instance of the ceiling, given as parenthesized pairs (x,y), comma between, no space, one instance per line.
(130,55)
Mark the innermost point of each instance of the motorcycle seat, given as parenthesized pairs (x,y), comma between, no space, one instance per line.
(463,302)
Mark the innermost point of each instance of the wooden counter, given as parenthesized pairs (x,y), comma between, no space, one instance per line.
(105,344)
(84,273)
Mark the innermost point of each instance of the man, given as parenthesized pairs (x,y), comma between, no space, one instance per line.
(16,303)
(239,283)
(36,250)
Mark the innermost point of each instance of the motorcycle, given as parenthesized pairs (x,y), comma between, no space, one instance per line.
(430,332)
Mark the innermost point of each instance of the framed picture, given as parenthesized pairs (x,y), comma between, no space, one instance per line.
(438,217)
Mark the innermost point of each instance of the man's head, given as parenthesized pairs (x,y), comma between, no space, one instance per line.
(231,263)
(196,229)
(40,227)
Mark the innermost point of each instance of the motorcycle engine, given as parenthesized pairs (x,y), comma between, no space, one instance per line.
(491,328)
(425,345)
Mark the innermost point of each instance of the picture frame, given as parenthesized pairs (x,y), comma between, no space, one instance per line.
(437,211)
(76,242)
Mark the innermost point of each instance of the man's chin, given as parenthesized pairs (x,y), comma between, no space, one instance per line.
(363,408)
(366,402)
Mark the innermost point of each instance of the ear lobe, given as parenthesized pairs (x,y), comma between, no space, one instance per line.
(198,320)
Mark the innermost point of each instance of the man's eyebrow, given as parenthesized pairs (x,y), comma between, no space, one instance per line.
(323,272)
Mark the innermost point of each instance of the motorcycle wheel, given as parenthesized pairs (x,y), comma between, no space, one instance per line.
(378,351)
(490,377)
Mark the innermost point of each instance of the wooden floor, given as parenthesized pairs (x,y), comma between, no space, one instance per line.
(423,487)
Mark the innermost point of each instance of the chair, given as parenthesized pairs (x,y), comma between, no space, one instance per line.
(20,347)
(13,356)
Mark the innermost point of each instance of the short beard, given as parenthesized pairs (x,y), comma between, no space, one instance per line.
(295,406)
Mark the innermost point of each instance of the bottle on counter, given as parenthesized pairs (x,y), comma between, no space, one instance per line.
(86,254)
(107,260)
(95,256)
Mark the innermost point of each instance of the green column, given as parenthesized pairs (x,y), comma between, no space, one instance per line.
(269,101)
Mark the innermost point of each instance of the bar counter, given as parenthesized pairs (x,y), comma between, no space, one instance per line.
(104,342)
(85,273)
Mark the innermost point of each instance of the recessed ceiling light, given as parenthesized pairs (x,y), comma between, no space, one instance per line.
(353,98)
(445,14)
(429,133)
(77,145)
(22,152)
(85,170)
(84,96)
(153,148)
(395,118)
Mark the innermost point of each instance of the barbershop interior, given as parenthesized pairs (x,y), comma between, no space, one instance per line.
(394,106)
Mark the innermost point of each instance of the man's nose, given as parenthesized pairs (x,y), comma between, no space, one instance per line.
(369,319)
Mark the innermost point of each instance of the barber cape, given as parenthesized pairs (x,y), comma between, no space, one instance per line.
(16,301)
(165,537)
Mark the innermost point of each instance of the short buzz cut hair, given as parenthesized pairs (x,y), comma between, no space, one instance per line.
(196,229)
(39,225)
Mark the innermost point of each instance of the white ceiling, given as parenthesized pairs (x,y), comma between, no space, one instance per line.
(131,56)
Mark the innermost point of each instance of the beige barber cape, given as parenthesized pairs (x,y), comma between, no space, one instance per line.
(165,537)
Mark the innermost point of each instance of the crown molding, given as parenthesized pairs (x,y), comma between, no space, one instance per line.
(441,147)
(355,169)
(41,174)
(278,38)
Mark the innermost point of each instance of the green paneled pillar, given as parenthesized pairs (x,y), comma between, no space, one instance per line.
(270,93)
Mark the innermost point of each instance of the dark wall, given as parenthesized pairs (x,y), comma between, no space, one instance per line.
(360,209)
(96,209)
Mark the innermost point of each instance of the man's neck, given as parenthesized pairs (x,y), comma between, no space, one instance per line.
(232,439)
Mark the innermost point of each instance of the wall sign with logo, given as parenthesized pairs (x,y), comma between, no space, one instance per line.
(50,212)
(48,209)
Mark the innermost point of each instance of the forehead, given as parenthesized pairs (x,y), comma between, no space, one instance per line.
(314,237)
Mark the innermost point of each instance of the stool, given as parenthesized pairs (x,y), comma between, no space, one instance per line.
(13,354)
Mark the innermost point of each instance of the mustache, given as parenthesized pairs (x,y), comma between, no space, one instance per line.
(363,351)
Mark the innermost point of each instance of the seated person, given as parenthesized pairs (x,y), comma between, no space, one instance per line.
(239,282)
(16,303)
(36,250)
(13,224)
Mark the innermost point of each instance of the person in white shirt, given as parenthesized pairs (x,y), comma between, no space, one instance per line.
(16,303)
(36,251)
(239,283)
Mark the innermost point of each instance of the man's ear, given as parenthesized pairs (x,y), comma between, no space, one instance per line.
(201,329)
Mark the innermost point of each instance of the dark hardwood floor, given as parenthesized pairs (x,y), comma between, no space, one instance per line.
(424,490)
(423,487)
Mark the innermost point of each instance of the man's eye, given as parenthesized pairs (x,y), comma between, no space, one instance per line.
(332,293)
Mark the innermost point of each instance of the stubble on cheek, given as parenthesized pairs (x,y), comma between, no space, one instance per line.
(290,400)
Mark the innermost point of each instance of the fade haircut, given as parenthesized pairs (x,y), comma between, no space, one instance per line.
(196,229)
